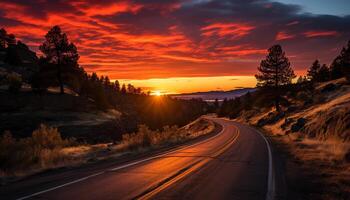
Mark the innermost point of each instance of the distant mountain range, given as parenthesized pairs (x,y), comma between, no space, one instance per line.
(212,95)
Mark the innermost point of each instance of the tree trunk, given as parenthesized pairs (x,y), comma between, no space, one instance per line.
(59,78)
(277,103)
(59,71)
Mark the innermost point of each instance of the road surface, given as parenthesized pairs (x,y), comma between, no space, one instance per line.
(234,164)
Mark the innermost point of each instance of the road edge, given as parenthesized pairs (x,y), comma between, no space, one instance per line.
(271,190)
(185,145)
(271,181)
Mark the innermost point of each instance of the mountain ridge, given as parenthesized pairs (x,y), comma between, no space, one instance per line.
(215,94)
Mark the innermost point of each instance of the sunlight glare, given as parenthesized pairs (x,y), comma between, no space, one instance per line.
(157,93)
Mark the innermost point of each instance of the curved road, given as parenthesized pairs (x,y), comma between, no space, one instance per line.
(234,164)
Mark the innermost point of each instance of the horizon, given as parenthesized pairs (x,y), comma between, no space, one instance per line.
(160,47)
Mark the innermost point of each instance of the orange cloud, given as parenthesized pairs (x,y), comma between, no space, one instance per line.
(284,36)
(310,34)
(226,29)
(106,9)
(147,39)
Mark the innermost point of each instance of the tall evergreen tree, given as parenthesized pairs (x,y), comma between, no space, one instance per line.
(3,38)
(324,73)
(123,90)
(313,71)
(318,73)
(6,39)
(61,56)
(116,86)
(94,77)
(340,67)
(275,71)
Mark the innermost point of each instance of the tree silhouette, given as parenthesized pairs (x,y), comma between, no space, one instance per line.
(318,73)
(61,54)
(313,71)
(6,39)
(3,38)
(340,67)
(324,73)
(123,90)
(275,71)
(116,86)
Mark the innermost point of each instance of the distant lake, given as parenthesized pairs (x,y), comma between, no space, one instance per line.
(212,95)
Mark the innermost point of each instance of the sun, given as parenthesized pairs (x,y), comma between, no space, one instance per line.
(157,93)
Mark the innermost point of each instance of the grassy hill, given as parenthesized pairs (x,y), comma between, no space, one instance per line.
(312,132)
(322,115)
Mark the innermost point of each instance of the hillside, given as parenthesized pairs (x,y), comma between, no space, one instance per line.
(326,116)
(312,133)
(75,116)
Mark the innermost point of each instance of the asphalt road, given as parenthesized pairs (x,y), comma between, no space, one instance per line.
(234,164)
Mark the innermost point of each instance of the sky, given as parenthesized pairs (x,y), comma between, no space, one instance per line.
(177,46)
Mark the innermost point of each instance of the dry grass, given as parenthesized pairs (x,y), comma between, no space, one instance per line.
(330,150)
(146,138)
(40,151)
(45,149)
(316,169)
(318,163)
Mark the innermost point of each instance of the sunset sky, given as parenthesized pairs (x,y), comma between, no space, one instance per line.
(184,45)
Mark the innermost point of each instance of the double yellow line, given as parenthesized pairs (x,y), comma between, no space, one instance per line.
(188,170)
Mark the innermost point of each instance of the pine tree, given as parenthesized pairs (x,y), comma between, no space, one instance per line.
(340,67)
(60,54)
(323,73)
(3,38)
(6,39)
(275,71)
(318,73)
(94,77)
(313,71)
(123,90)
(116,86)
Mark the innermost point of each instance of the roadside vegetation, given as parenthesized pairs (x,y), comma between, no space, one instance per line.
(46,149)
(40,151)
(308,120)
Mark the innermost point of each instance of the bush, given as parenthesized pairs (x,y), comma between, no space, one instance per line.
(14,81)
(48,138)
(145,137)
(41,150)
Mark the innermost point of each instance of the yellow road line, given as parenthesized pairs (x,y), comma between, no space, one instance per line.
(190,170)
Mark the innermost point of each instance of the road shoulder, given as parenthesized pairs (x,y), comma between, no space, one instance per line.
(50,179)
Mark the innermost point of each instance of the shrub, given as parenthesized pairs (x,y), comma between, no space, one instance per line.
(14,81)
(48,138)
(146,137)
(41,150)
